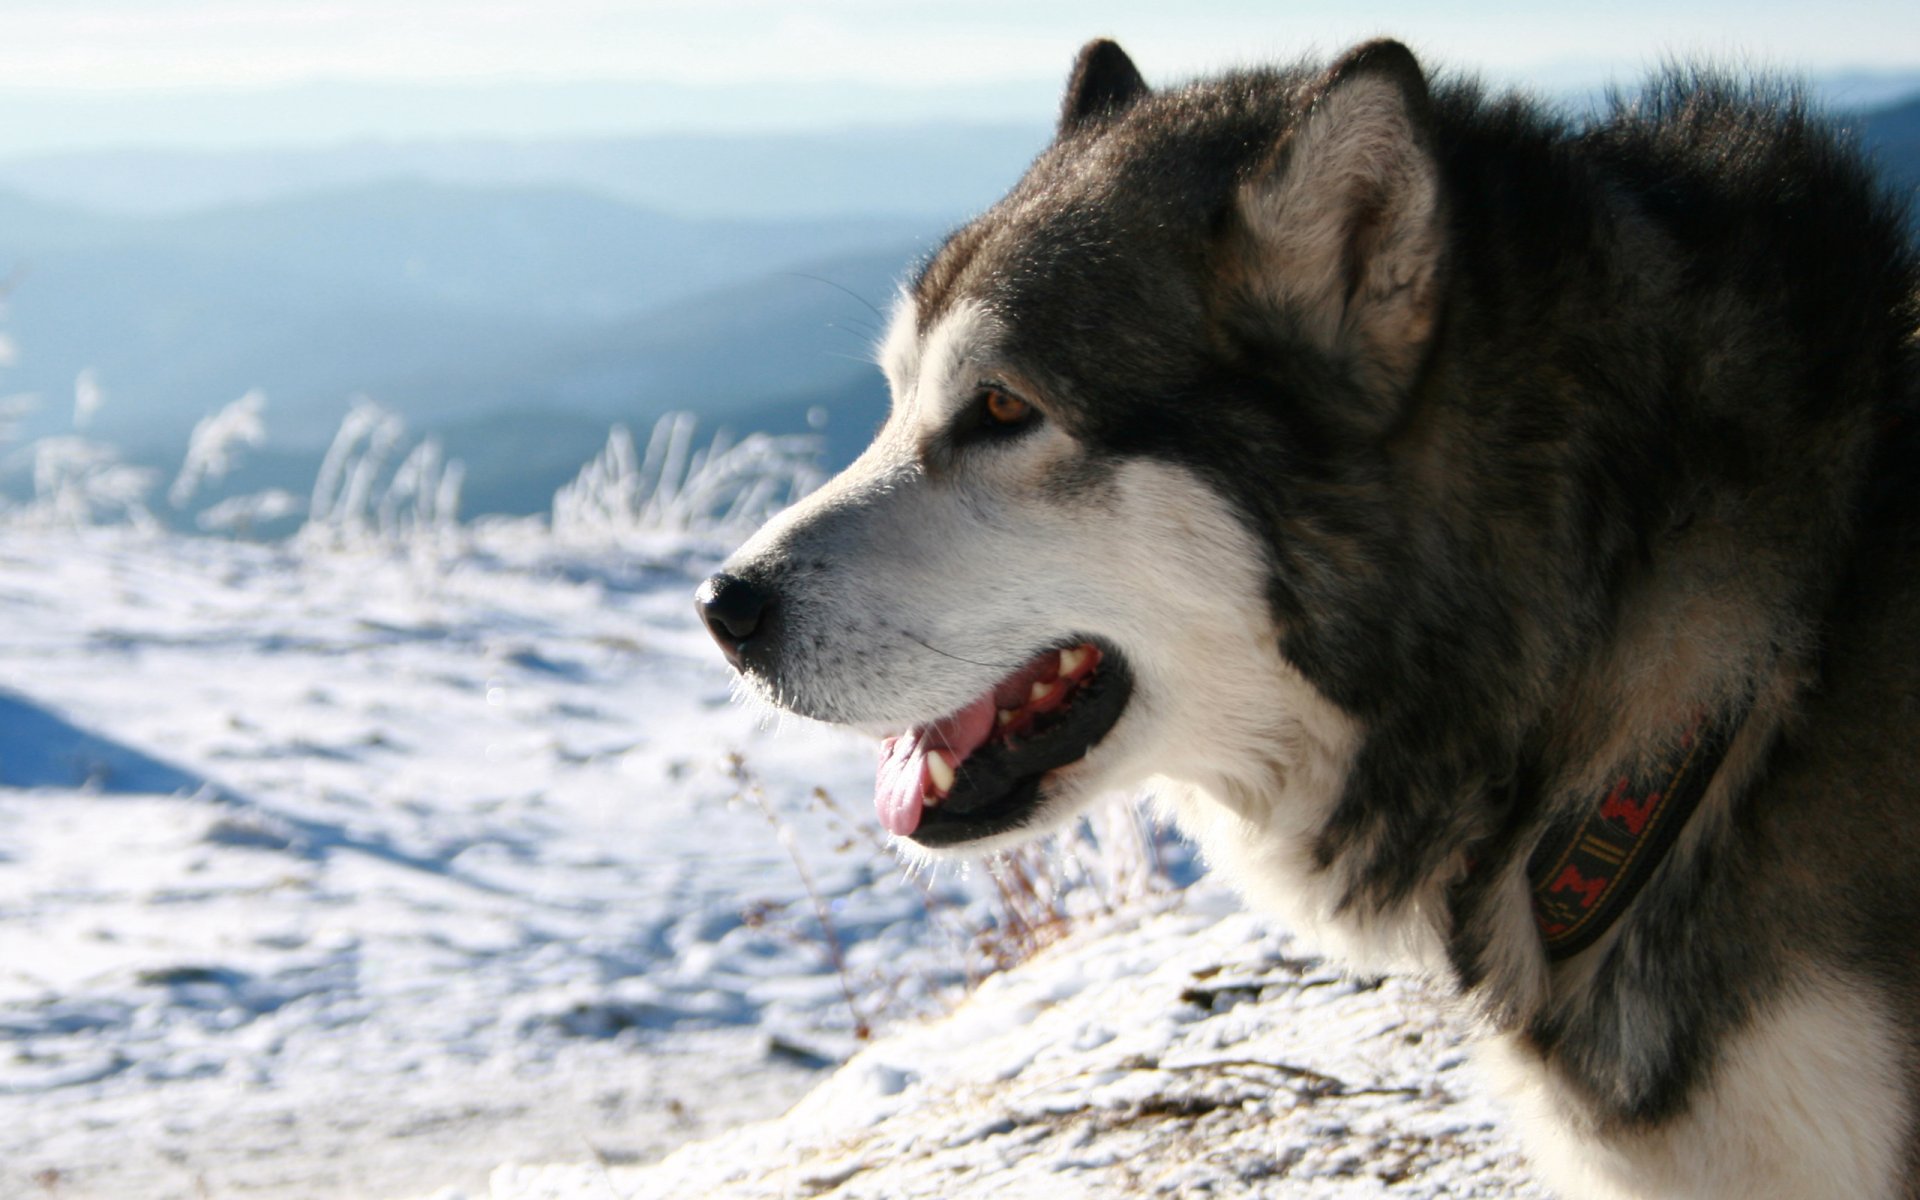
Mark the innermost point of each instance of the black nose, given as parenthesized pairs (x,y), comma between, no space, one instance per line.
(732,609)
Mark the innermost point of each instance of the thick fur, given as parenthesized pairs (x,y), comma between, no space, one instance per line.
(1433,461)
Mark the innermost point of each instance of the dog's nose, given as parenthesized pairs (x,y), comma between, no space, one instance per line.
(732,609)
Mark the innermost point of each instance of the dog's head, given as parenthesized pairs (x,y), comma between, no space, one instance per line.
(1125,402)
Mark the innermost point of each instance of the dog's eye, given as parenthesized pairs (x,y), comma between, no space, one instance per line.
(1003,407)
(997,412)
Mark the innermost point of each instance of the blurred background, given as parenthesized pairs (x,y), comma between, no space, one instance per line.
(376,381)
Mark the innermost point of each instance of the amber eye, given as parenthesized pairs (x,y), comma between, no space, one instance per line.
(994,415)
(1003,407)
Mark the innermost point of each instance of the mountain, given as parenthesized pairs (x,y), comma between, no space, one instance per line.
(542,252)
(726,352)
(936,173)
(887,157)
(1893,134)
(440,302)
(27,221)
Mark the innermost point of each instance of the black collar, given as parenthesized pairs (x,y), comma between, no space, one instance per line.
(1589,866)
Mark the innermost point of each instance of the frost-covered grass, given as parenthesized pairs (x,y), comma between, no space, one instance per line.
(674,487)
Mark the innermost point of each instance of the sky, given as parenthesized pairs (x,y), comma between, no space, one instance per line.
(133,69)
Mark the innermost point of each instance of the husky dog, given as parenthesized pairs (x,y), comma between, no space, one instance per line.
(1494,535)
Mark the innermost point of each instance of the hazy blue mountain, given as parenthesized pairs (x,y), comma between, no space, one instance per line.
(887,155)
(25,221)
(1865,91)
(1894,135)
(935,172)
(786,335)
(438,301)
(173,333)
(542,252)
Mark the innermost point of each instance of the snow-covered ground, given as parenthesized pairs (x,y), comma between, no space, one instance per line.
(1187,1052)
(353,874)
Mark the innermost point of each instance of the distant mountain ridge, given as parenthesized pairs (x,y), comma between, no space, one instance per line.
(440,302)
(545,252)
(932,172)
(884,159)
(1893,136)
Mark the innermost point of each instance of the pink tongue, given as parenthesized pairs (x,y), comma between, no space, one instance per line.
(900,791)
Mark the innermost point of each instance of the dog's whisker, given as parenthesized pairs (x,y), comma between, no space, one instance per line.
(991,666)
(839,287)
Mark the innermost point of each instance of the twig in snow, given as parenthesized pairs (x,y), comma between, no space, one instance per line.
(836,951)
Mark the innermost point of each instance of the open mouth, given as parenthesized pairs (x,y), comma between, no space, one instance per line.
(977,772)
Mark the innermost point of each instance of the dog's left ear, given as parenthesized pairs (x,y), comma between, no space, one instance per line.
(1346,221)
(1103,82)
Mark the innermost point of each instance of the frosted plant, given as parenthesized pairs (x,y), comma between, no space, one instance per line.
(422,502)
(733,487)
(665,467)
(77,482)
(215,445)
(604,496)
(239,515)
(88,396)
(355,501)
(446,495)
(408,501)
(367,437)
(672,487)
(14,410)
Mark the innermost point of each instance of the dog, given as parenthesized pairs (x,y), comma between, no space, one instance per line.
(1494,534)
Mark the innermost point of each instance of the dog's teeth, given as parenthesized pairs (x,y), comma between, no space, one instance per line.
(1039,692)
(1003,717)
(1072,660)
(939,773)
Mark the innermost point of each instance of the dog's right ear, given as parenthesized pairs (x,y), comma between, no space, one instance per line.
(1344,224)
(1104,81)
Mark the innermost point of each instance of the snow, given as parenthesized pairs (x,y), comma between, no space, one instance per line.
(1188,1050)
(356,872)
(336,873)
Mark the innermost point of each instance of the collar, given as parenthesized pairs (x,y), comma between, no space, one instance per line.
(1589,866)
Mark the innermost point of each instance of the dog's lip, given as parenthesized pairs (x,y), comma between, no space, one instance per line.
(997,784)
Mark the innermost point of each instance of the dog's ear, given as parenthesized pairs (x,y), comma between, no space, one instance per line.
(1103,82)
(1346,221)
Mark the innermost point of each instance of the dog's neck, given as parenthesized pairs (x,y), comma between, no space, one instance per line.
(1678,697)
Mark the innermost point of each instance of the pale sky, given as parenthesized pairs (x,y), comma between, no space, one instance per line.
(140,43)
(89,51)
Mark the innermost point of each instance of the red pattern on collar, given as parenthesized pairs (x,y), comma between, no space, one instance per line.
(1587,870)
